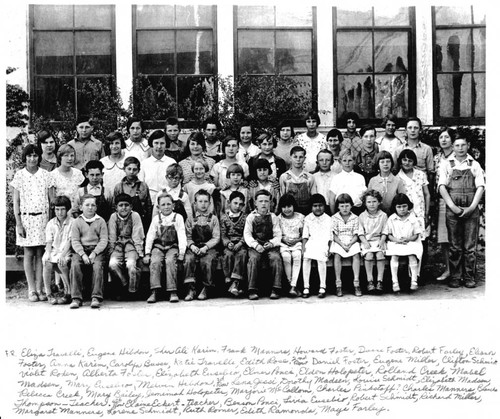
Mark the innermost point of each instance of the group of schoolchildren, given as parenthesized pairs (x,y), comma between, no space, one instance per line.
(268,207)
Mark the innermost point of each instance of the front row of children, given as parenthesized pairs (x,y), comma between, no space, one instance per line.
(286,242)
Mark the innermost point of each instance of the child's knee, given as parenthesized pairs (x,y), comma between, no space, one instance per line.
(369,257)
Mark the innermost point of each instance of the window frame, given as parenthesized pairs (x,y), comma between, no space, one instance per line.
(453,120)
(412,69)
(33,76)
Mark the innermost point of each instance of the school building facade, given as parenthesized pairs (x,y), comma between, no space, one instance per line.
(427,61)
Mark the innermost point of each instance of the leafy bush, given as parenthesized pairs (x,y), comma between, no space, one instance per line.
(17,104)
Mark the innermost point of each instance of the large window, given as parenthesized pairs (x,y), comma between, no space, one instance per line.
(459,64)
(175,52)
(277,40)
(69,45)
(373,62)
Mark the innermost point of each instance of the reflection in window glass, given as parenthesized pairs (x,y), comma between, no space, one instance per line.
(391,52)
(155,52)
(354,17)
(452,48)
(479,49)
(193,16)
(391,16)
(255,15)
(53,52)
(255,52)
(293,52)
(194,52)
(49,91)
(391,95)
(93,16)
(155,16)
(296,16)
(93,52)
(53,17)
(446,15)
(354,52)
(356,95)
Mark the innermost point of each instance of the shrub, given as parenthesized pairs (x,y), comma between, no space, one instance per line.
(17,104)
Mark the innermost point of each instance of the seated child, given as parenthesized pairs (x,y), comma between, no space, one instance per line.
(403,233)
(89,239)
(174,178)
(291,224)
(126,237)
(235,176)
(345,228)
(263,237)
(199,182)
(203,235)
(316,241)
(58,249)
(232,224)
(372,224)
(263,170)
(166,241)
(138,190)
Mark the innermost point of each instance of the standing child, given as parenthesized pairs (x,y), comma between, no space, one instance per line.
(297,181)
(345,227)
(316,241)
(291,224)
(137,145)
(175,145)
(235,176)
(247,147)
(263,236)
(334,141)
(86,146)
(267,145)
(366,158)
(126,238)
(89,239)
(311,141)
(232,225)
(58,249)
(203,235)
(352,139)
(113,162)
(218,173)
(323,177)
(372,224)
(166,241)
(263,169)
(31,210)
(174,189)
(389,141)
(285,134)
(199,182)
(403,233)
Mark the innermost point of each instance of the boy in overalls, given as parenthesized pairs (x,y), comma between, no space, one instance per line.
(461,184)
(203,235)
(165,241)
(263,237)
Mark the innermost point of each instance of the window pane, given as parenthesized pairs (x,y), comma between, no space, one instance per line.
(453,50)
(191,93)
(354,52)
(479,49)
(293,52)
(155,52)
(53,17)
(354,17)
(391,52)
(453,15)
(83,100)
(479,107)
(93,16)
(49,91)
(155,16)
(53,53)
(158,95)
(356,95)
(304,86)
(194,52)
(479,14)
(255,52)
(193,16)
(255,16)
(454,91)
(391,95)
(294,16)
(392,17)
(93,52)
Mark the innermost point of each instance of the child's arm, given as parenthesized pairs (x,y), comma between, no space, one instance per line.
(331,201)
(276,240)
(475,202)
(48,248)
(247,234)
(223,233)
(282,183)
(449,202)
(214,241)
(103,238)
(76,242)
(427,202)
(112,233)
(181,237)
(17,213)
(150,237)
(362,237)
(305,236)
(187,205)
(381,242)
(138,234)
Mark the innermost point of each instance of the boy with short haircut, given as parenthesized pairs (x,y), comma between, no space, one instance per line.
(262,235)
(366,158)
(126,237)
(211,128)
(175,145)
(174,177)
(203,235)
(323,177)
(232,225)
(352,139)
(297,181)
(86,147)
(58,249)
(138,190)
(93,172)
(89,239)
(461,184)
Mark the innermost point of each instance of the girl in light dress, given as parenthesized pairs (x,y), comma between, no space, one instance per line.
(291,223)
(113,163)
(403,234)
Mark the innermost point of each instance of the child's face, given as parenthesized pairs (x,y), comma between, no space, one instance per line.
(267,147)
(372,204)
(166,206)
(123,209)
(211,132)
(407,164)
(286,133)
(159,146)
(298,159)
(368,139)
(412,130)
(385,165)
(445,140)
(324,162)
(262,204)
(246,135)
(235,178)
(287,210)
(390,128)
(68,159)
(199,171)
(172,132)
(195,148)
(88,207)
(61,213)
(311,124)
(231,148)
(32,160)
(460,147)
(173,180)
(84,130)
(345,208)
(115,147)
(202,203)
(347,163)
(318,209)
(135,131)
(333,142)
(49,145)
(131,171)
(263,174)
(402,210)
(94,176)
(236,205)
(351,125)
